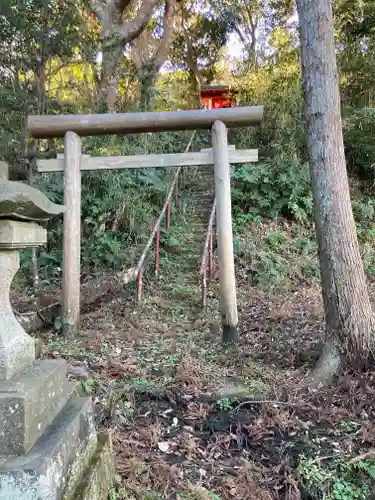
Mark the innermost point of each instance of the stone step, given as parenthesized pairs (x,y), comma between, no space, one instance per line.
(29,403)
(198,208)
(204,206)
(196,225)
(54,466)
(99,474)
(204,195)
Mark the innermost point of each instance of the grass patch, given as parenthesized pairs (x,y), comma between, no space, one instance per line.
(277,256)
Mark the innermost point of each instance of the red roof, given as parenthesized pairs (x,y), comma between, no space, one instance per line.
(217,91)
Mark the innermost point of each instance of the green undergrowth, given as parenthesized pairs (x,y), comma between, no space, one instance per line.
(337,477)
(278,187)
(280,254)
(277,256)
(118,206)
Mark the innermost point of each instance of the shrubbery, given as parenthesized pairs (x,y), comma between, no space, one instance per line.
(279,187)
(359,139)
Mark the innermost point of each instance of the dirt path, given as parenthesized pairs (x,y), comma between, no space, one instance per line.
(192,419)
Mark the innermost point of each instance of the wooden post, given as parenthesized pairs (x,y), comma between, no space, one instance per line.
(176,193)
(4,171)
(227,282)
(210,257)
(72,233)
(157,246)
(169,215)
(139,284)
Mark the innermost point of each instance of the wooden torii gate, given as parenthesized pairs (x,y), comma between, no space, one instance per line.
(72,127)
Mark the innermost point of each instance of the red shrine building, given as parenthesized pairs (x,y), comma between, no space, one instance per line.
(217,96)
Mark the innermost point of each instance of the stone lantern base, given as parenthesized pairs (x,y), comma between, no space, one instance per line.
(69,461)
(49,447)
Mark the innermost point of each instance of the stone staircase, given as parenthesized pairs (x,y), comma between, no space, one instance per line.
(197,197)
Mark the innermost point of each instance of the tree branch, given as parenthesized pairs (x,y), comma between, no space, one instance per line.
(139,48)
(111,17)
(190,51)
(130,30)
(98,7)
(240,34)
(167,38)
(122,5)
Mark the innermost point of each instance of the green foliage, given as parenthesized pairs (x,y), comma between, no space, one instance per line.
(33,35)
(344,480)
(118,207)
(348,426)
(224,404)
(364,210)
(312,475)
(354,25)
(197,47)
(197,493)
(278,88)
(144,386)
(275,188)
(278,258)
(85,387)
(58,324)
(359,139)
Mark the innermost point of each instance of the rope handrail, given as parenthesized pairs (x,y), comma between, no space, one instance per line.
(137,271)
(207,253)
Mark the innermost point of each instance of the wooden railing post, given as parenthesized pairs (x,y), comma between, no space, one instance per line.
(207,254)
(72,233)
(4,171)
(157,249)
(139,284)
(227,282)
(169,215)
(210,257)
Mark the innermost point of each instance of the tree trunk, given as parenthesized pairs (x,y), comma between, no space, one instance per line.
(349,320)
(147,77)
(34,250)
(191,60)
(149,66)
(116,32)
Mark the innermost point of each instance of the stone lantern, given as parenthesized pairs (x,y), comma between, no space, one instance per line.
(49,447)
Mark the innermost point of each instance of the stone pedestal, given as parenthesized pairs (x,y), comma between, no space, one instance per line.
(49,448)
(17,349)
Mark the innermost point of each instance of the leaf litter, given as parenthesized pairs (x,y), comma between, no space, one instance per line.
(156,378)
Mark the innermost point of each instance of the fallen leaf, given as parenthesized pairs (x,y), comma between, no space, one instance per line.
(163,446)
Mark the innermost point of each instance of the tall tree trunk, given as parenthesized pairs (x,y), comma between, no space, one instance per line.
(148,65)
(196,77)
(350,324)
(116,32)
(41,90)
